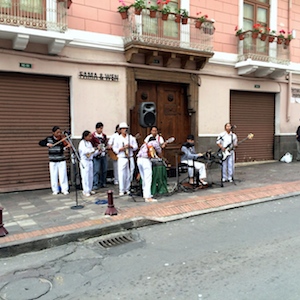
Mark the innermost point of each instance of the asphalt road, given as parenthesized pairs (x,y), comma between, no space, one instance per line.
(245,253)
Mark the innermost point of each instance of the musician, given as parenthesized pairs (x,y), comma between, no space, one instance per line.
(298,143)
(110,144)
(124,147)
(226,139)
(57,160)
(100,160)
(87,152)
(154,133)
(189,157)
(147,151)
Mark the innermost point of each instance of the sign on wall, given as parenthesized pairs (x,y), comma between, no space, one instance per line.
(98,76)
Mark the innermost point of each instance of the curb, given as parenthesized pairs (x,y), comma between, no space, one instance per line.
(61,238)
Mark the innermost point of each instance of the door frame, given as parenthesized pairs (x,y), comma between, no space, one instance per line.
(135,74)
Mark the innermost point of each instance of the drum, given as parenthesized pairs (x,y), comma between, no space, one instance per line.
(157,162)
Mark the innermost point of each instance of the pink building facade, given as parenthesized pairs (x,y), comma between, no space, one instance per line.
(75,63)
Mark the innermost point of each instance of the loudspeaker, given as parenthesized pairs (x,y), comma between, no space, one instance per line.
(147,114)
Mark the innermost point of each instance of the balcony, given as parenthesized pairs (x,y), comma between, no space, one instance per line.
(165,43)
(18,21)
(259,57)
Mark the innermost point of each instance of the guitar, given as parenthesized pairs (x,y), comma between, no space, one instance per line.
(227,152)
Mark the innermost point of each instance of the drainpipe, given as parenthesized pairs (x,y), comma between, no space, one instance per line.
(289,95)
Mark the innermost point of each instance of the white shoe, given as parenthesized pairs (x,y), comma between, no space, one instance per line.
(230,180)
(224,180)
(150,200)
(121,194)
(93,192)
(116,182)
(86,194)
(66,193)
(128,192)
(55,193)
(203,182)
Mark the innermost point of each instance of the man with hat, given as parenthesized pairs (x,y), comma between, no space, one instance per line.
(189,157)
(124,146)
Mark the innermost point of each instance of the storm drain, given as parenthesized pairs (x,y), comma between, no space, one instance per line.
(116,240)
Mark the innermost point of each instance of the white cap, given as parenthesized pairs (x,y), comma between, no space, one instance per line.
(123,125)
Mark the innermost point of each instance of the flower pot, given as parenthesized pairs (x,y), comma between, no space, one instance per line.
(123,14)
(255,35)
(198,24)
(178,18)
(241,36)
(184,20)
(152,13)
(164,17)
(271,38)
(287,42)
(279,40)
(138,10)
(263,37)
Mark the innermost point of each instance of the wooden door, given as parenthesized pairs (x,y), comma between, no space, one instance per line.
(172,118)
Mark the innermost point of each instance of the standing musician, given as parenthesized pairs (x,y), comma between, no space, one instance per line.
(86,153)
(99,161)
(189,158)
(57,160)
(147,151)
(112,155)
(124,147)
(225,139)
(154,133)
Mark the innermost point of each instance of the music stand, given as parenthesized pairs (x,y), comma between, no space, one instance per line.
(76,179)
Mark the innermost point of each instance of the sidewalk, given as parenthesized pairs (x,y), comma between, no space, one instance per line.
(37,220)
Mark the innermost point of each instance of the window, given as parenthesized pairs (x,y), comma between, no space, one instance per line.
(256,12)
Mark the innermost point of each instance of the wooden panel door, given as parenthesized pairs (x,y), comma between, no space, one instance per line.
(172,118)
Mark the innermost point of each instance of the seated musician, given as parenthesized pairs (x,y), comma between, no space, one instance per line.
(147,151)
(189,157)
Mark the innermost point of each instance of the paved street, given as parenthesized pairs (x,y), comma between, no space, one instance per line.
(37,219)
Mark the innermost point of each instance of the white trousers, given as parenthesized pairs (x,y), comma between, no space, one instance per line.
(228,167)
(125,175)
(145,168)
(86,175)
(199,166)
(116,175)
(58,171)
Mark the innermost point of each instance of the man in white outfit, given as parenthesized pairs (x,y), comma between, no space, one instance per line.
(124,147)
(227,141)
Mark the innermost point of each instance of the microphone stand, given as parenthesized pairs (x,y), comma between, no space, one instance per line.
(76,181)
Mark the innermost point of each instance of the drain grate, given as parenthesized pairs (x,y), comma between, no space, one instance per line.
(116,240)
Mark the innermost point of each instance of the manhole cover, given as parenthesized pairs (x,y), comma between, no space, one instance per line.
(25,289)
(116,240)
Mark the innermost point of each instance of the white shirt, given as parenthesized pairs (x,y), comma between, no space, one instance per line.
(225,139)
(121,141)
(112,139)
(86,147)
(158,138)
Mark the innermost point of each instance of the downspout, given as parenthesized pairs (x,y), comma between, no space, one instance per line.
(289,91)
(289,95)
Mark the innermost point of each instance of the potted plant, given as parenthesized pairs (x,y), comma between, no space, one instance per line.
(239,33)
(272,34)
(256,30)
(200,20)
(165,10)
(139,5)
(153,9)
(184,16)
(264,34)
(288,38)
(280,37)
(178,15)
(123,9)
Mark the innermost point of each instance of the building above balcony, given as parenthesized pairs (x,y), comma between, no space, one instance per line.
(259,56)
(167,43)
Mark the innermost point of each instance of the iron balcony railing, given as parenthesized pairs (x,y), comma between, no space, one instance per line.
(167,33)
(46,15)
(263,48)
